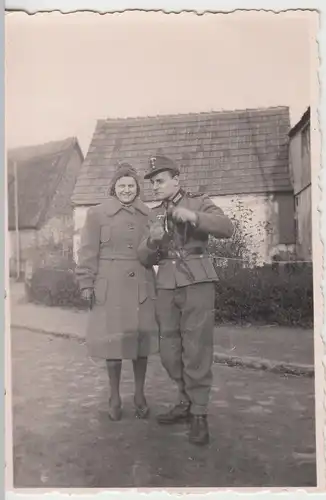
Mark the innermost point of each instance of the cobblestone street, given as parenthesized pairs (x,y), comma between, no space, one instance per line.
(262,426)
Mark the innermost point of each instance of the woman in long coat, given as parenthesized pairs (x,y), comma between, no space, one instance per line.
(122,322)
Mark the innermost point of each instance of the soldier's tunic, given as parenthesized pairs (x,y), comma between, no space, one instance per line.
(122,322)
(186,294)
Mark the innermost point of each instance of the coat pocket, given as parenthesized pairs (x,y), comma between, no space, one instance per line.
(209,268)
(100,291)
(142,292)
(105,233)
(146,289)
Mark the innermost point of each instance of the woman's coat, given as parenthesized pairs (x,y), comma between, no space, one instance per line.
(122,322)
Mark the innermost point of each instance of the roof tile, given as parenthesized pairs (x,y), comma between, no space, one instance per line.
(227,152)
(39,169)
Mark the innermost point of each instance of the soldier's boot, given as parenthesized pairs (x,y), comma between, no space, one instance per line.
(179,413)
(198,433)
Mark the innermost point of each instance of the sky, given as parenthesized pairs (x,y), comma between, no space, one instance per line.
(64,72)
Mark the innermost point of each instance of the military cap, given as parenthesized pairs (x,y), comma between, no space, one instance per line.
(160,163)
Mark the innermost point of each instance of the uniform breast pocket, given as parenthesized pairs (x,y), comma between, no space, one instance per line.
(105,233)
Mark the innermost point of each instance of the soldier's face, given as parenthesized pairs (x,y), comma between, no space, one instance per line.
(126,189)
(164,185)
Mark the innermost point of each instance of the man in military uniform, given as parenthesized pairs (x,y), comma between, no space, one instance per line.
(177,242)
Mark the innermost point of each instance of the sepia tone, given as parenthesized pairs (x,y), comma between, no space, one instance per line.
(252,157)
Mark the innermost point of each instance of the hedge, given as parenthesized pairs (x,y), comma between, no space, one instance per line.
(264,295)
(54,287)
(272,294)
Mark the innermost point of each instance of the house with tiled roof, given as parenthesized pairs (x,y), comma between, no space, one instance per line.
(41,180)
(239,158)
(300,171)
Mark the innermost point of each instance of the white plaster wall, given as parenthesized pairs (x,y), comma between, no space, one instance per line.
(58,229)
(258,215)
(27,241)
(79,221)
(252,213)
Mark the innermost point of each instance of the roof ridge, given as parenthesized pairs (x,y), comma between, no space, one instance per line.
(39,152)
(71,140)
(199,135)
(195,113)
(305,117)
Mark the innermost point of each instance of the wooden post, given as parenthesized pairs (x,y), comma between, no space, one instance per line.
(17,224)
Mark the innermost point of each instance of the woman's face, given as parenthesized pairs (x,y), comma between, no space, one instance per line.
(126,189)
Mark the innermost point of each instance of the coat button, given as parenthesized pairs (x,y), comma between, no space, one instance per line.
(130,246)
(132,274)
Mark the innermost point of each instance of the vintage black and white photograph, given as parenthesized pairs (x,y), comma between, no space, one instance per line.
(161,212)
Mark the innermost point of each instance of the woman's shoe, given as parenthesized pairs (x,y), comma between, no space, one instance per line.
(115,412)
(141,411)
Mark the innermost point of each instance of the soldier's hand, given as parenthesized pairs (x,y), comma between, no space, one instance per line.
(156,232)
(182,214)
(87,294)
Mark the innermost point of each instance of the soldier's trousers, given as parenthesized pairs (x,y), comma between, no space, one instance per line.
(186,320)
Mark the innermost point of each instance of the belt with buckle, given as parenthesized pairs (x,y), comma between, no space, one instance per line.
(182,253)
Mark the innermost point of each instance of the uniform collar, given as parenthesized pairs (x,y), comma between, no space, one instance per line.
(176,198)
(112,206)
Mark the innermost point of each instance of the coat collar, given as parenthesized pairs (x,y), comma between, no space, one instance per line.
(141,207)
(112,206)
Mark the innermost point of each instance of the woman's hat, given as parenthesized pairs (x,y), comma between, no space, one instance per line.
(123,170)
